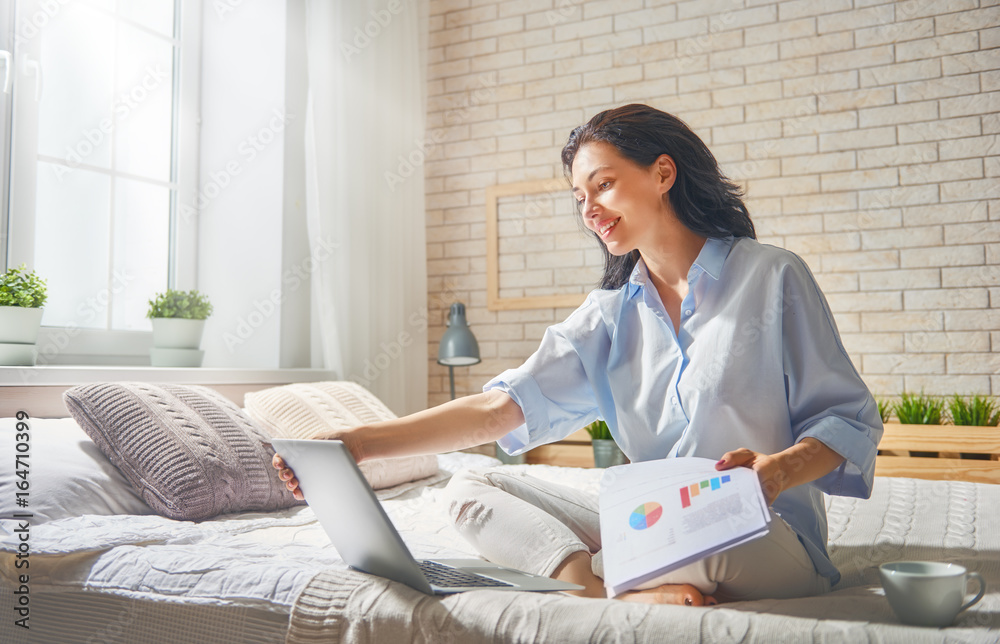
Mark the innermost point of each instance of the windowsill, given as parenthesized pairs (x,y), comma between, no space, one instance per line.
(72,375)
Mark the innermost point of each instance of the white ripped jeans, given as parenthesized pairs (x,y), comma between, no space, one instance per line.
(520,521)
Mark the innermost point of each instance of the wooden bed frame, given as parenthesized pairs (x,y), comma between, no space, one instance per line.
(895,452)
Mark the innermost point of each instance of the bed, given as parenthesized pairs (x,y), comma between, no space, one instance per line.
(124,573)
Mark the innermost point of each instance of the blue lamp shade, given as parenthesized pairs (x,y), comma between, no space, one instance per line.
(458,347)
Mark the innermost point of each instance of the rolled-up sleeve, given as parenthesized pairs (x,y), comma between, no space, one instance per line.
(827,399)
(554,387)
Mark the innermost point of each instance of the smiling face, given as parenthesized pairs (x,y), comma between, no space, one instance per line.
(622,202)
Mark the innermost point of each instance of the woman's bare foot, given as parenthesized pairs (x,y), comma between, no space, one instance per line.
(685,594)
(576,569)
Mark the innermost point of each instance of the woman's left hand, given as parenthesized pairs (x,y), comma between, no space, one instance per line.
(773,478)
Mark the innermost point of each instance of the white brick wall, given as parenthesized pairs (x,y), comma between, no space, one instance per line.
(866,133)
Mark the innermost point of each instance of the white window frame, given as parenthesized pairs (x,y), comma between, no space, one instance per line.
(7,45)
(71,345)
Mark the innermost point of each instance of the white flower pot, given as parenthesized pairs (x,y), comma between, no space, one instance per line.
(18,333)
(607,453)
(176,342)
(177,333)
(511,460)
(19,324)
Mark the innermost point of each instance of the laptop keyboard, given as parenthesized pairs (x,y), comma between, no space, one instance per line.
(448,577)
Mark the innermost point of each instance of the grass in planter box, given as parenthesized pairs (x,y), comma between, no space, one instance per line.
(918,409)
(884,409)
(885,413)
(976,411)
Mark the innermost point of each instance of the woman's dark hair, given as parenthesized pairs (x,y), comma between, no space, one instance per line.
(703,198)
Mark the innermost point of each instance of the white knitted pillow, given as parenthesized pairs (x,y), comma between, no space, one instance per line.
(190,453)
(302,410)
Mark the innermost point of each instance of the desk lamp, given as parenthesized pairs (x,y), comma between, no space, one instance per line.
(458,347)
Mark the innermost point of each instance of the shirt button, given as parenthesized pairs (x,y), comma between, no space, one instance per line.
(688,312)
(673,400)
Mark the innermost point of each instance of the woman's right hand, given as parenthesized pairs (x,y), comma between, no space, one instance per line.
(444,428)
(286,474)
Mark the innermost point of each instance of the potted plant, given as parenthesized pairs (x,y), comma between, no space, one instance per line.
(975,411)
(606,451)
(22,295)
(178,319)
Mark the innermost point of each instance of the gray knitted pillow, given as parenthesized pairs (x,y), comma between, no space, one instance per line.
(188,451)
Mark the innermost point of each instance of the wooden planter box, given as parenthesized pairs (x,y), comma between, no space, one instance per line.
(900,441)
(894,459)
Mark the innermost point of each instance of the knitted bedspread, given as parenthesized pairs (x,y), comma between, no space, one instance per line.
(906,519)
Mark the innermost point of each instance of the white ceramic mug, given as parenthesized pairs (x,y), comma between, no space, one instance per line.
(928,593)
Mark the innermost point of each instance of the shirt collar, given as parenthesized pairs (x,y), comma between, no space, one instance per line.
(713,255)
(710,260)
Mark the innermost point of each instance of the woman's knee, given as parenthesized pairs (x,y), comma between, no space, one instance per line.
(463,496)
(465,483)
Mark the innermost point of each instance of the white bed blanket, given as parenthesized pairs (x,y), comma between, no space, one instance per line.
(904,519)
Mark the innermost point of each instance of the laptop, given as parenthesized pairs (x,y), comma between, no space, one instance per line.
(359,528)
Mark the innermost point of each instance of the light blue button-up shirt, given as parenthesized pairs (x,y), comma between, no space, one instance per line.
(757,363)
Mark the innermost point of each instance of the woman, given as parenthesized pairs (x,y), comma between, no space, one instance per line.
(700,342)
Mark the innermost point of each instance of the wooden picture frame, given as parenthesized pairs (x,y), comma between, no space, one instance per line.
(493,300)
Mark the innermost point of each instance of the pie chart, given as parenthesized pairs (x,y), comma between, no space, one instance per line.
(646,515)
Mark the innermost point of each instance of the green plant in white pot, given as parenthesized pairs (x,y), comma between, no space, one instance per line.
(178,319)
(22,295)
(606,450)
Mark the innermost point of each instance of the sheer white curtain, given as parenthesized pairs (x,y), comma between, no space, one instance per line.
(365,191)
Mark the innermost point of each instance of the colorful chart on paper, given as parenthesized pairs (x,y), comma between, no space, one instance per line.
(689,492)
(645,515)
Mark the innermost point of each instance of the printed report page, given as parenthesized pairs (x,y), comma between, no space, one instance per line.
(657,516)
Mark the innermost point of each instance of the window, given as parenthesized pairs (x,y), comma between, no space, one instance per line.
(97,151)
